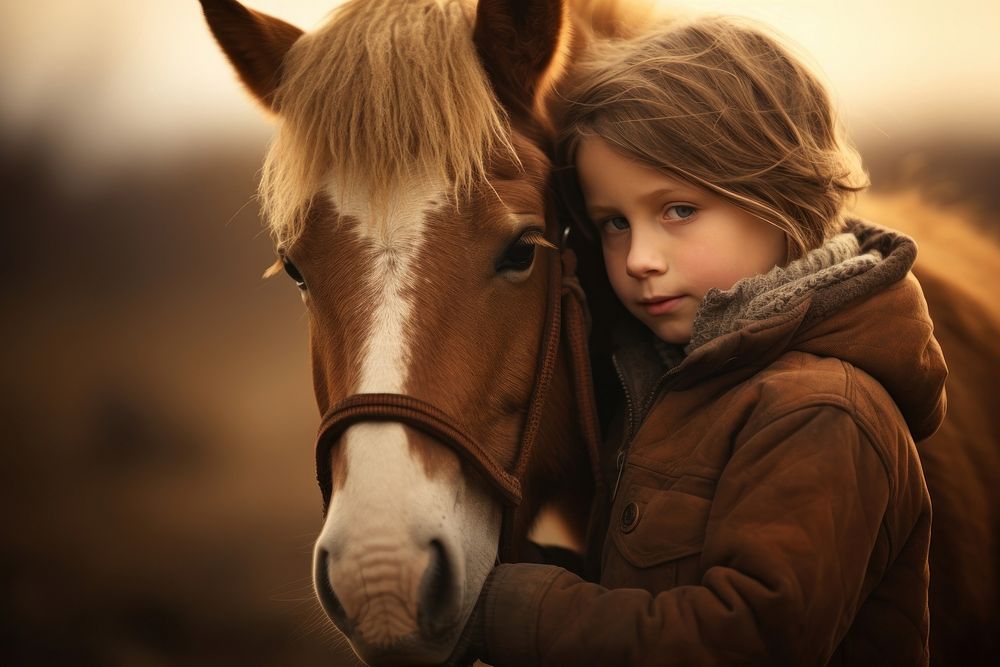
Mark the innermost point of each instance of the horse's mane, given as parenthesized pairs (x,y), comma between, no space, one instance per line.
(617,19)
(385,94)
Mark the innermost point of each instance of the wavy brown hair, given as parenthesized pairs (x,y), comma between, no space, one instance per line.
(720,103)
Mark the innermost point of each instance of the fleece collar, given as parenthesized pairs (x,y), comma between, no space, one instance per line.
(767,295)
(853,298)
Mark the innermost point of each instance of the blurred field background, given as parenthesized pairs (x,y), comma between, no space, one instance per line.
(159,500)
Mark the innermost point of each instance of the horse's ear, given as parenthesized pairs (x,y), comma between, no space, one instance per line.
(255,43)
(519,43)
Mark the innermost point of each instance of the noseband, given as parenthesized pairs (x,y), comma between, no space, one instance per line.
(506,476)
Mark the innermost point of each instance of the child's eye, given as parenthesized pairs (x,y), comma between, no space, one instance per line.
(680,211)
(613,225)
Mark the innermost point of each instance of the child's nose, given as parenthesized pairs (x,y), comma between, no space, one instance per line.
(644,259)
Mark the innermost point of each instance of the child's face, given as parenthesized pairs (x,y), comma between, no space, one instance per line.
(666,242)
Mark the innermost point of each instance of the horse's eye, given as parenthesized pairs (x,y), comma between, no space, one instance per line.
(293,272)
(518,256)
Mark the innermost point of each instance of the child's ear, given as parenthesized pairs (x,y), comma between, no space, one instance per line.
(256,45)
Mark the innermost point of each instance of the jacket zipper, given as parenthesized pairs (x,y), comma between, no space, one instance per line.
(620,456)
(657,389)
(629,429)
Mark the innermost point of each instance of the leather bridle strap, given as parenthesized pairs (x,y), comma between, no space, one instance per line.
(545,367)
(435,422)
(412,412)
(573,318)
(576,331)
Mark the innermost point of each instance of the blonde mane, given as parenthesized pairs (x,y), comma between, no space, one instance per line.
(386,94)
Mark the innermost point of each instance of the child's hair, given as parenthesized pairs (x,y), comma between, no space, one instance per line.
(724,106)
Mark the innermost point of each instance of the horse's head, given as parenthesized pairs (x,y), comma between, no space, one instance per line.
(406,189)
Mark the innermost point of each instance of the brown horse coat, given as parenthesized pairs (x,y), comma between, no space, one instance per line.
(771,507)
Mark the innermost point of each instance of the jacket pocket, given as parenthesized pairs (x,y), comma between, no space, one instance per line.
(657,537)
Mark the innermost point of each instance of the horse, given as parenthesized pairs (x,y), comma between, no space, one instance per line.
(957,266)
(406,189)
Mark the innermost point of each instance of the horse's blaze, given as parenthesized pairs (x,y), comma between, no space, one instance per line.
(400,498)
(429,286)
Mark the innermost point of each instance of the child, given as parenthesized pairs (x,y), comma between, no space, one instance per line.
(766,504)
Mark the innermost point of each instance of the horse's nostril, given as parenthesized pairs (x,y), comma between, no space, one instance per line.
(327,598)
(438,593)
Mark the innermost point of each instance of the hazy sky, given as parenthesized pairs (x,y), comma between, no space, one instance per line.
(113,78)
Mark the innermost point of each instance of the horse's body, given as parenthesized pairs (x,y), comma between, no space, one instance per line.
(958,270)
(407,191)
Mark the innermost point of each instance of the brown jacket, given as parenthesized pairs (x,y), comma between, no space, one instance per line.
(770,507)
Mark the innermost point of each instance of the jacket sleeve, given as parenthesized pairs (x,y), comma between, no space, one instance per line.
(786,565)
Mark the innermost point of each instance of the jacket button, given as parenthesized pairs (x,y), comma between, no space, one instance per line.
(630,517)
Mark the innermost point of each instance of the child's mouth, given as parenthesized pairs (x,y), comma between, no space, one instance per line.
(659,306)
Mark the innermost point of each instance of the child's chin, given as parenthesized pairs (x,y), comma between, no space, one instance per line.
(670,334)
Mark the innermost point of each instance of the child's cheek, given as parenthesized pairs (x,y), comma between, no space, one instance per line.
(614,263)
(699,267)
(708,266)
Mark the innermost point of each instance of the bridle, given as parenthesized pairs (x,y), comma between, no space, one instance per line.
(566,313)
